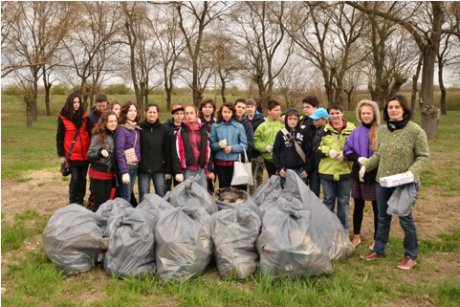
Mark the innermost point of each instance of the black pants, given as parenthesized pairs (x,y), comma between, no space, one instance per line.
(100,190)
(358,216)
(225,174)
(314,182)
(77,185)
(271,170)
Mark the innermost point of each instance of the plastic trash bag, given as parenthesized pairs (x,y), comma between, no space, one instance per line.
(287,249)
(190,194)
(234,234)
(152,206)
(131,244)
(73,238)
(183,243)
(110,209)
(332,238)
(233,198)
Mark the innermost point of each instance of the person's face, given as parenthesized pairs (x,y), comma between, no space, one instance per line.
(178,116)
(152,115)
(308,109)
(250,109)
(76,104)
(336,116)
(275,113)
(190,115)
(226,114)
(395,110)
(240,109)
(112,122)
(116,109)
(101,106)
(366,115)
(207,110)
(132,113)
(319,123)
(292,121)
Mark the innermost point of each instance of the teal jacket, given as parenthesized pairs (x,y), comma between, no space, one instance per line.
(235,135)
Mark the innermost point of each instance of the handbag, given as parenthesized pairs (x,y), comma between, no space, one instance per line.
(65,165)
(242,171)
(130,153)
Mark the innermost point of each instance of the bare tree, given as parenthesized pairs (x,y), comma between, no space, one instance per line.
(442,62)
(352,80)
(424,22)
(292,82)
(194,19)
(414,90)
(35,31)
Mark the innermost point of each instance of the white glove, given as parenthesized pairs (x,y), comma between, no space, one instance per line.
(223,143)
(362,172)
(168,176)
(362,160)
(125,178)
(411,174)
(333,154)
(179,177)
(339,157)
(104,153)
(269,148)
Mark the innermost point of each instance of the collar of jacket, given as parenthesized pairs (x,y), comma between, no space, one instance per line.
(347,130)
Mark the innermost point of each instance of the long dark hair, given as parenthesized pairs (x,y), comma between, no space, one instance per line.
(124,112)
(228,106)
(100,125)
(402,101)
(205,102)
(67,111)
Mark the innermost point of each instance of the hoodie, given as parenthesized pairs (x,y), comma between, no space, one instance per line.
(284,152)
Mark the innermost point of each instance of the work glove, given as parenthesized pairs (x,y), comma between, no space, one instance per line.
(339,157)
(362,172)
(223,143)
(104,153)
(125,178)
(269,148)
(332,153)
(179,177)
(168,176)
(362,160)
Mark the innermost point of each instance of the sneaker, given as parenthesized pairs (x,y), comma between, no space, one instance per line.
(371,248)
(371,256)
(407,264)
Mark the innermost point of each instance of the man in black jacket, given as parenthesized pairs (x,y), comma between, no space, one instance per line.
(99,108)
(257,161)
(173,125)
(155,161)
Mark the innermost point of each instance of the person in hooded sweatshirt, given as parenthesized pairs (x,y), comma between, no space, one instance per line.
(191,149)
(72,119)
(174,124)
(359,147)
(100,107)
(155,164)
(285,154)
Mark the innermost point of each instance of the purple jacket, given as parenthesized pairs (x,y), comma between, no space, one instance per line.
(124,139)
(358,143)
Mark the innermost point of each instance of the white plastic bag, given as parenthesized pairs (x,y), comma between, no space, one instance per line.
(242,171)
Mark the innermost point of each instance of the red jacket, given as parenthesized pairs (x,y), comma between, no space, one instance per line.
(83,141)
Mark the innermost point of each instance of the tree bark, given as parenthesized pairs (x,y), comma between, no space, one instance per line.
(428,109)
(415,78)
(47,85)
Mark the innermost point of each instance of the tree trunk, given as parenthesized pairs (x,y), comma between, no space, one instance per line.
(168,98)
(442,88)
(33,99)
(428,109)
(47,99)
(222,90)
(415,78)
(28,100)
(349,98)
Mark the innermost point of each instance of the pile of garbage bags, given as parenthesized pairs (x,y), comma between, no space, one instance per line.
(284,232)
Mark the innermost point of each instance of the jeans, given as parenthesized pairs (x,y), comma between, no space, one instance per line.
(158,182)
(384,224)
(339,190)
(203,180)
(298,172)
(224,174)
(77,185)
(314,182)
(127,189)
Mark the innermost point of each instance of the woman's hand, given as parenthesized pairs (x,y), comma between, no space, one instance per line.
(303,174)
(228,149)
(362,160)
(61,160)
(104,153)
(210,176)
(168,176)
(283,173)
(362,172)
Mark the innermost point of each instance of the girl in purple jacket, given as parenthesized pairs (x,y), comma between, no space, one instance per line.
(360,146)
(128,148)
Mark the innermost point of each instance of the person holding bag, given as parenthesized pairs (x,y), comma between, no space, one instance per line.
(228,141)
(128,148)
(290,148)
(72,142)
(101,155)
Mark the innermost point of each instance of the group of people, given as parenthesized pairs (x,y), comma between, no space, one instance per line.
(319,145)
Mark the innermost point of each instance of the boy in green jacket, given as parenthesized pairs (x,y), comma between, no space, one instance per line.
(334,170)
(265,134)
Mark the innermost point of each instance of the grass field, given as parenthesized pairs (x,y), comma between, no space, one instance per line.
(30,279)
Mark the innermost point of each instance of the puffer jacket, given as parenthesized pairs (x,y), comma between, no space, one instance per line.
(98,162)
(235,135)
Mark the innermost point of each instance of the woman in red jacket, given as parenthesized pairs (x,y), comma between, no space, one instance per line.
(73,141)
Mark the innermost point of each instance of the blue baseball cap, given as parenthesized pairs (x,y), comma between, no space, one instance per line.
(320,113)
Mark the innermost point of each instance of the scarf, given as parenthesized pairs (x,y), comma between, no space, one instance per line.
(392,126)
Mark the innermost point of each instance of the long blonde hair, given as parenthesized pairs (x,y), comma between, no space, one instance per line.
(375,123)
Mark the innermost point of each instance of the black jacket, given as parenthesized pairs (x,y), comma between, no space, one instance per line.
(93,118)
(249,135)
(316,154)
(255,122)
(284,152)
(98,162)
(155,148)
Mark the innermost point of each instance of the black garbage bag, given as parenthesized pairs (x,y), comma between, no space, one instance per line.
(190,194)
(73,238)
(234,234)
(183,243)
(131,244)
(286,247)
